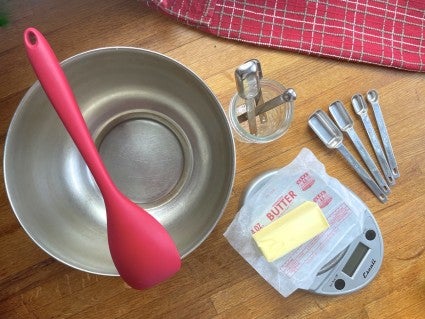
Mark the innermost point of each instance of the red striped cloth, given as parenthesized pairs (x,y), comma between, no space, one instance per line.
(383,32)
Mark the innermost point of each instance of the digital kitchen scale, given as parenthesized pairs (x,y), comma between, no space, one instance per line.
(355,266)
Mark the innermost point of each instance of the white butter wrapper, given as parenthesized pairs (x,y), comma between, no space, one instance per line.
(304,179)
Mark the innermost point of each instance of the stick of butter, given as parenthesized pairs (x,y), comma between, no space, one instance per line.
(291,230)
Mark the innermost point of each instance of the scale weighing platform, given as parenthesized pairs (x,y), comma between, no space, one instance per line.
(355,266)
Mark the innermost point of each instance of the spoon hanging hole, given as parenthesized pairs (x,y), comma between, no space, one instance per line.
(32,38)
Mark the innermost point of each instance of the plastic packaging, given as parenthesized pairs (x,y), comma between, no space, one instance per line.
(304,179)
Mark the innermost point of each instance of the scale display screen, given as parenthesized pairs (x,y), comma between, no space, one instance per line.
(355,259)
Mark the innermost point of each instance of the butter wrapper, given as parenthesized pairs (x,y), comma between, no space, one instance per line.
(304,179)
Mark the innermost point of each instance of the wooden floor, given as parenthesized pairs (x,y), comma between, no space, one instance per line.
(215,282)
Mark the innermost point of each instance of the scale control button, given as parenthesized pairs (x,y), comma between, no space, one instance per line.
(339,284)
(370,234)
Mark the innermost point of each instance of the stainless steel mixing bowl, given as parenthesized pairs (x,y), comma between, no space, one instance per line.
(164,139)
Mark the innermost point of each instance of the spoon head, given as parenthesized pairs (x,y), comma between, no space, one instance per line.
(359,104)
(289,95)
(247,80)
(259,69)
(341,116)
(372,96)
(142,250)
(325,129)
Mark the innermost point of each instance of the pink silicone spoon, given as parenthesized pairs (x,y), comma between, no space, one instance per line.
(142,250)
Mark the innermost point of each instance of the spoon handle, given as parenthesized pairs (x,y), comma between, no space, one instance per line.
(250,111)
(362,173)
(378,149)
(368,160)
(384,134)
(58,90)
(288,96)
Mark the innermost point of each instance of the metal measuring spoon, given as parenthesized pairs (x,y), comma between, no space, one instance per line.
(288,96)
(259,98)
(248,86)
(332,137)
(372,97)
(346,124)
(360,107)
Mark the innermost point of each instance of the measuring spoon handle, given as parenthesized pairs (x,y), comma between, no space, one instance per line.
(385,139)
(378,149)
(250,112)
(368,161)
(54,82)
(286,97)
(362,173)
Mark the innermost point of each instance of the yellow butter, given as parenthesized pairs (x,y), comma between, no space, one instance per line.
(291,230)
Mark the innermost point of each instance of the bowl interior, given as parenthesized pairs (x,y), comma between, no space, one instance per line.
(162,135)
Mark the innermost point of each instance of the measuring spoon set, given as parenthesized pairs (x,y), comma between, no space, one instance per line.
(331,131)
(248,78)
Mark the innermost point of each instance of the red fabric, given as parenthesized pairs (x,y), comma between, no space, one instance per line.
(384,32)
